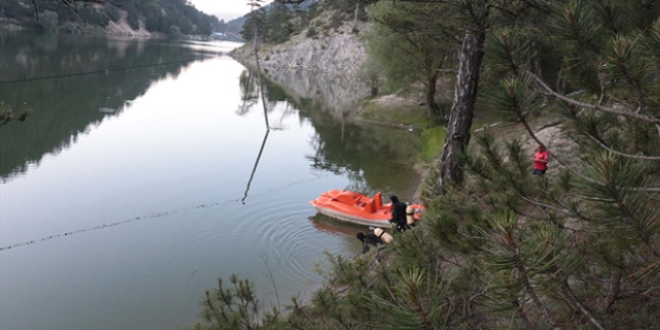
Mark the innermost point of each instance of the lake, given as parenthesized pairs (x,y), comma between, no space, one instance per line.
(145,171)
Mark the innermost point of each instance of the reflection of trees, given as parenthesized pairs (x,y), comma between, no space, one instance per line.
(369,155)
(63,108)
(249,92)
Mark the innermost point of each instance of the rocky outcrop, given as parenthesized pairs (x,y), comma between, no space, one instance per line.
(121,27)
(336,51)
(325,67)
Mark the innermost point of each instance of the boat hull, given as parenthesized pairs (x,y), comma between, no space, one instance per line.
(353,219)
(356,208)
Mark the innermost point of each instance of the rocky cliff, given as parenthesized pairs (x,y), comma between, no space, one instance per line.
(337,51)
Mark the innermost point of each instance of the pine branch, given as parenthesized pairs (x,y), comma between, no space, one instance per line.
(516,108)
(570,296)
(622,49)
(634,115)
(525,278)
(615,285)
(522,315)
(619,153)
(562,210)
(522,195)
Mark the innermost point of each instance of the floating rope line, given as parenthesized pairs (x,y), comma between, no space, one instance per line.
(156,215)
(66,75)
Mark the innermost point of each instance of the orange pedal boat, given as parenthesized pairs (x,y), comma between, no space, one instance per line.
(353,207)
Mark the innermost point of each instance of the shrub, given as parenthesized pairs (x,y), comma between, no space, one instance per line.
(112,12)
(48,21)
(174,32)
(311,33)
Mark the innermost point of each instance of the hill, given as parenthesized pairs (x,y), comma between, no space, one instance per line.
(233,29)
(570,88)
(318,36)
(135,17)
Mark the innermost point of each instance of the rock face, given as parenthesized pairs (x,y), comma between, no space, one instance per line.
(338,51)
(338,94)
(324,68)
(123,28)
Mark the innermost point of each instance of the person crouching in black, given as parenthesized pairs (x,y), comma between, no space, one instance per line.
(398,214)
(368,240)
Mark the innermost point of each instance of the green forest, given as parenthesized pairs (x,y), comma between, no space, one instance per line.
(498,247)
(278,21)
(161,16)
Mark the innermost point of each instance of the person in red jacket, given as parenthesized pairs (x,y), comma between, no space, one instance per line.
(540,161)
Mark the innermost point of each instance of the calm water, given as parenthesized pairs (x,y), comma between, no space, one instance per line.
(145,172)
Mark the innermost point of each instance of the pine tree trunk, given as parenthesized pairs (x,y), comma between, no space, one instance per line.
(434,109)
(355,16)
(465,97)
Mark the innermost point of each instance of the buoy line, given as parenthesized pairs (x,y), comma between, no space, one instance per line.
(155,215)
(67,75)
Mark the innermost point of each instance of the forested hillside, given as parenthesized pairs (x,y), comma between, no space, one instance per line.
(156,16)
(574,245)
(278,21)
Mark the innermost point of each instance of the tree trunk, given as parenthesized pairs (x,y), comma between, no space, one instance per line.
(261,83)
(434,109)
(355,16)
(465,97)
(374,86)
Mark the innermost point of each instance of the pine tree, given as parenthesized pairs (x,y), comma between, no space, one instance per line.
(584,239)
(413,42)
(576,248)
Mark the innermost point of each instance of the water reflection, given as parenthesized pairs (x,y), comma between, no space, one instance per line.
(153,194)
(337,94)
(256,164)
(375,158)
(325,224)
(71,84)
(249,92)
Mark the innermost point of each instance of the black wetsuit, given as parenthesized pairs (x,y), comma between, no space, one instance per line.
(368,240)
(399,214)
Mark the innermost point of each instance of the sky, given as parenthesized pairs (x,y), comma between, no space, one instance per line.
(224,9)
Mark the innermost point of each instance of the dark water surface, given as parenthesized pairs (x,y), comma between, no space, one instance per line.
(134,183)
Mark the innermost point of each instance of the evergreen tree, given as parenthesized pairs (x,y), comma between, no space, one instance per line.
(278,26)
(157,15)
(235,307)
(576,248)
(413,42)
(273,24)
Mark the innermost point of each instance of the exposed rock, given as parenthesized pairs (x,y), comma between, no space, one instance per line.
(122,28)
(337,51)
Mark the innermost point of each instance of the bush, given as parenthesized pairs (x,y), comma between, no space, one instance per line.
(48,21)
(174,32)
(112,12)
(336,21)
(311,33)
